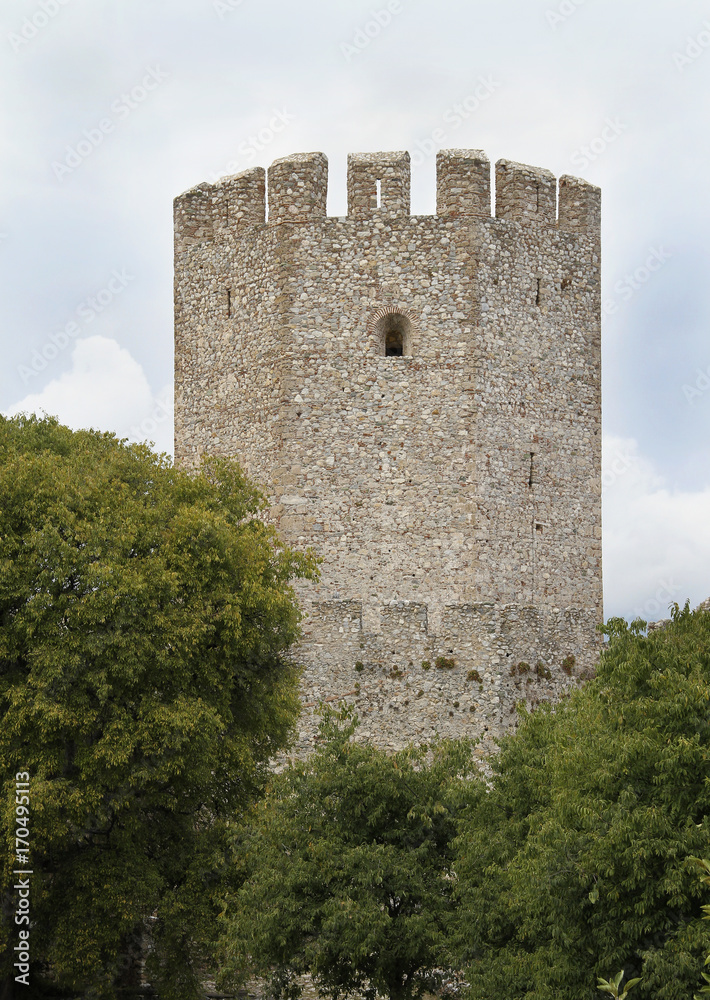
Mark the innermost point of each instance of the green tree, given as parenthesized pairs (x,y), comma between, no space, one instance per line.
(704,866)
(346,869)
(143,617)
(577,861)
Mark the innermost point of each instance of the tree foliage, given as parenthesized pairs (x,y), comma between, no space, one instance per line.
(346,869)
(143,617)
(704,866)
(577,861)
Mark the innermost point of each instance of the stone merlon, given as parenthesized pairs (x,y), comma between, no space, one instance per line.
(379,185)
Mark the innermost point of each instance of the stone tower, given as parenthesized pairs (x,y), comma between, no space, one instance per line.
(420,398)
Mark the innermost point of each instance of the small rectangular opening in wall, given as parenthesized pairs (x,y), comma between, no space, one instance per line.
(229,302)
(537,295)
(530,477)
(538,527)
(379,193)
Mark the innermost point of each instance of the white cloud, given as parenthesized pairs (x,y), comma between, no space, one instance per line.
(656,540)
(105,389)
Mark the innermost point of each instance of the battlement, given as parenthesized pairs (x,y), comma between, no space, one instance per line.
(379,185)
(407,681)
(298,188)
(420,398)
(463,183)
(340,622)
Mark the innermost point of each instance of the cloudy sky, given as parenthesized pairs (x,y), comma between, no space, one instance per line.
(111,109)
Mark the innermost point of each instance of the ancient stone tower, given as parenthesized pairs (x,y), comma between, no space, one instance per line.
(420,397)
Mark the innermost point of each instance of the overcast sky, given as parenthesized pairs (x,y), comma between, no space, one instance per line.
(109,110)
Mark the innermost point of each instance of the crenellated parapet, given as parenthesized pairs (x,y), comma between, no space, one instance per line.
(232,203)
(298,188)
(419,397)
(463,183)
(525,194)
(580,208)
(407,681)
(379,185)
(475,633)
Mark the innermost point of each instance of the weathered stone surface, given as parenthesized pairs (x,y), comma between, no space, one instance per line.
(452,488)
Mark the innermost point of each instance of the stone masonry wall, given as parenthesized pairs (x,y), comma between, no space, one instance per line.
(456,480)
(407,683)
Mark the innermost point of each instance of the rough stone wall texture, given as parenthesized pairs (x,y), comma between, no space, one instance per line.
(453,491)
(388,172)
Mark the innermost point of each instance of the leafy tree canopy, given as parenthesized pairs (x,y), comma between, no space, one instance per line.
(576,863)
(345,869)
(143,617)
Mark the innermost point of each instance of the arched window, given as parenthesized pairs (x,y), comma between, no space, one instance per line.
(394,346)
(394,332)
